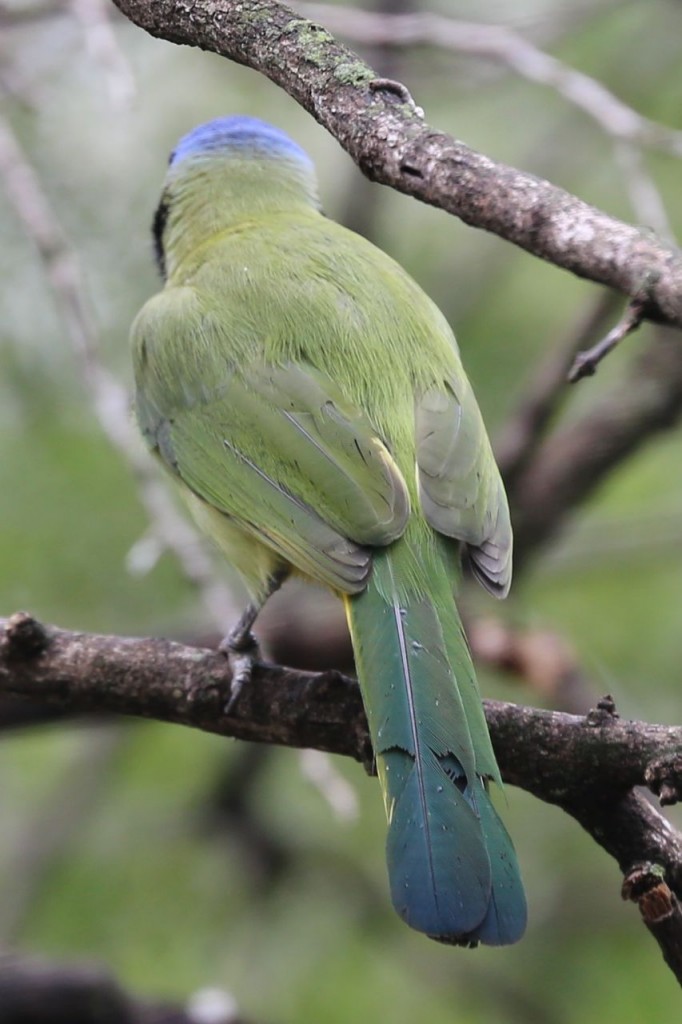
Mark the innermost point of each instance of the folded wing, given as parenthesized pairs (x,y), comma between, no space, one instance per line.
(277,449)
(460,488)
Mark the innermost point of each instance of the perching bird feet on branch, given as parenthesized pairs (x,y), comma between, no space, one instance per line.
(241,646)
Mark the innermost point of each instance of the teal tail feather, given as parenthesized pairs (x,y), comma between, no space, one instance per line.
(452,868)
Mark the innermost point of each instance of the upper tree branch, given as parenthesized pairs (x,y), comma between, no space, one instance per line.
(388,139)
(502,45)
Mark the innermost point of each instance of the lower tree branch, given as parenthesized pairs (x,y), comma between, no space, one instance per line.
(37,991)
(586,765)
(44,993)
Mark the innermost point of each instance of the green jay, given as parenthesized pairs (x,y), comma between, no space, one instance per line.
(309,400)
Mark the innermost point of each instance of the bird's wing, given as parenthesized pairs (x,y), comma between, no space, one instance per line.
(460,487)
(277,448)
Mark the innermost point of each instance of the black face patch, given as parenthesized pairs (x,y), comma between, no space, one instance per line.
(158,227)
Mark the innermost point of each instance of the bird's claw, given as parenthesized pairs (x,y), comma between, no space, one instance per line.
(243,652)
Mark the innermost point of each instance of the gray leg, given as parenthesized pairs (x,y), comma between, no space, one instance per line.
(241,646)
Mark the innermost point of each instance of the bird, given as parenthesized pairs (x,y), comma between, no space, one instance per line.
(309,400)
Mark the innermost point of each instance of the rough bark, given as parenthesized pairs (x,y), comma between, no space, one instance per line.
(376,121)
(587,765)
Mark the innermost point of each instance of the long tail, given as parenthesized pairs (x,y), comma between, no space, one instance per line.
(452,868)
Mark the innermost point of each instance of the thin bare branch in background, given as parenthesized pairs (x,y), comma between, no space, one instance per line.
(645,199)
(11,15)
(22,76)
(109,398)
(360,211)
(318,768)
(578,457)
(524,430)
(102,45)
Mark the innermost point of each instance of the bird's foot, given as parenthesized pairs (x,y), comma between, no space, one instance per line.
(241,648)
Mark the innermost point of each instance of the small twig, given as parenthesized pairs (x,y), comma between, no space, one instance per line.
(523,431)
(645,199)
(585,363)
(397,89)
(100,40)
(664,778)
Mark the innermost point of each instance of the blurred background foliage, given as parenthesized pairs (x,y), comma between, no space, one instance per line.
(183,861)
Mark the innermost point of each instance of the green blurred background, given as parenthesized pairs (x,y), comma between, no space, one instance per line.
(122,844)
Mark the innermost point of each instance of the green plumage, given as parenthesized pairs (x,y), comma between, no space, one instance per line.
(309,399)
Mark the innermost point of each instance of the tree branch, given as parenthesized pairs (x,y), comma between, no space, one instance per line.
(523,431)
(586,362)
(387,137)
(502,45)
(586,765)
(574,460)
(36,991)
